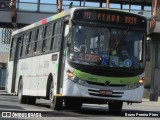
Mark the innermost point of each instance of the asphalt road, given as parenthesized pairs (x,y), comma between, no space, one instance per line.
(89,111)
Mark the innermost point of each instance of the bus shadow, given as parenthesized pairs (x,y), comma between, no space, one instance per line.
(11,107)
(103,111)
(6,98)
(90,111)
(42,105)
(125,112)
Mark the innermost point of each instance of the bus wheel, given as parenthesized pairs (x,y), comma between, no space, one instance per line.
(21,98)
(115,107)
(55,101)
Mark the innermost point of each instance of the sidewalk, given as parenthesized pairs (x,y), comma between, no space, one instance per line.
(148,100)
(2,88)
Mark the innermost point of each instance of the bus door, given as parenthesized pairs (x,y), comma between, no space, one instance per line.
(62,57)
(58,58)
(15,63)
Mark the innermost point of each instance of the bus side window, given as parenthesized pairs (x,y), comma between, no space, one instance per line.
(21,47)
(12,49)
(57,36)
(32,41)
(52,38)
(28,48)
(40,39)
(24,45)
(35,41)
(47,37)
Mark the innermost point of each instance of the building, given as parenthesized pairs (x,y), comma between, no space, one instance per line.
(4,48)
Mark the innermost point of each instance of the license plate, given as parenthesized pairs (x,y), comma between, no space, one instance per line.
(105,92)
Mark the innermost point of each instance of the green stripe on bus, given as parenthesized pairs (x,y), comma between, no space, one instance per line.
(56,68)
(58,16)
(103,79)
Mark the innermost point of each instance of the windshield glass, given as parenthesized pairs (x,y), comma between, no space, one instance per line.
(106,47)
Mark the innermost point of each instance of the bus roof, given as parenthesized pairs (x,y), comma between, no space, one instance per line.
(57,16)
(44,21)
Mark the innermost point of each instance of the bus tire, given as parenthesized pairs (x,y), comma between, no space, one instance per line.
(115,107)
(49,82)
(55,101)
(21,98)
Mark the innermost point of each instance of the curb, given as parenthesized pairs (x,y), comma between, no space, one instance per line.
(148,100)
(2,88)
(3,92)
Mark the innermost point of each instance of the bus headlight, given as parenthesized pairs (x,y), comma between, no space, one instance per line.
(78,81)
(82,82)
(134,85)
(74,78)
(71,76)
(130,86)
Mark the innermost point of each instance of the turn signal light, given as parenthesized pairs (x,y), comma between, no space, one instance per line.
(69,74)
(141,81)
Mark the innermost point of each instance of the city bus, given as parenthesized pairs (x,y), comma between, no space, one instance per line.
(82,55)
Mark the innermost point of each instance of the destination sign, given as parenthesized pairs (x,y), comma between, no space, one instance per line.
(109,16)
(89,57)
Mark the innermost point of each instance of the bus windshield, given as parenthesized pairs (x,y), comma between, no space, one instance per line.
(110,47)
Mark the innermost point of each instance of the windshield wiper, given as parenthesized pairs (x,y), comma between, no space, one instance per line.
(124,35)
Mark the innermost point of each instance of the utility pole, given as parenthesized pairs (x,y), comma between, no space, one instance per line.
(12,6)
(59,5)
(155,7)
(107,4)
(154,81)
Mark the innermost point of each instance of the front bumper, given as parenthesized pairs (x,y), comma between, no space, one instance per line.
(72,89)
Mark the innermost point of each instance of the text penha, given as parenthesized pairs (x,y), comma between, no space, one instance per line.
(107,17)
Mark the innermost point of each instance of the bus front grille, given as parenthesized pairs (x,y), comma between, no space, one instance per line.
(103,84)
